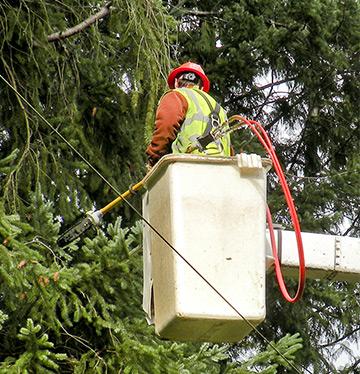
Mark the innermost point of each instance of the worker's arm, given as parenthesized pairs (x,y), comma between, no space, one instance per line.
(170,115)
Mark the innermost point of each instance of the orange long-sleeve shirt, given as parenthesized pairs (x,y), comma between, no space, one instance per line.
(170,115)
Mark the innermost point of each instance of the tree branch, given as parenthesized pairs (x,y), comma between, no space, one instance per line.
(328,365)
(103,12)
(351,226)
(193,12)
(267,97)
(352,368)
(345,336)
(273,84)
(298,149)
(342,145)
(178,10)
(259,88)
(281,115)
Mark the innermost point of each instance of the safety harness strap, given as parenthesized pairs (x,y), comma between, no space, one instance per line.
(213,122)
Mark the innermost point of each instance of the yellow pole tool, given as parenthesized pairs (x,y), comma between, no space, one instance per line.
(93,218)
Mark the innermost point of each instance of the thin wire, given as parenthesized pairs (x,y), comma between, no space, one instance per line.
(161,236)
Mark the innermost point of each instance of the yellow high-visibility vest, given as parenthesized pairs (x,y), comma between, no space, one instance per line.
(196,124)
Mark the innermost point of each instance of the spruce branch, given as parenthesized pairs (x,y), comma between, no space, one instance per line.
(38,355)
(60,35)
(341,146)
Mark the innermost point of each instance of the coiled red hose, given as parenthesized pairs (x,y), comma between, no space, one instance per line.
(263,137)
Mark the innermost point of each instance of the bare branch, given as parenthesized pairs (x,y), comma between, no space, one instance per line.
(259,88)
(273,84)
(281,115)
(351,226)
(329,366)
(267,97)
(103,12)
(178,10)
(298,149)
(340,339)
(352,368)
(193,12)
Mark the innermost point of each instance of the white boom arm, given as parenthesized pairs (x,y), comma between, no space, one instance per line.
(326,256)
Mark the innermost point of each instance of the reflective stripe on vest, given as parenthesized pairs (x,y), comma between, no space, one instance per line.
(195,124)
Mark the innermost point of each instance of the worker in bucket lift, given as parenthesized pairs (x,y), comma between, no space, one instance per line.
(187,117)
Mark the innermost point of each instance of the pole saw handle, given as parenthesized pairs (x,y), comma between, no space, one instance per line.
(122,197)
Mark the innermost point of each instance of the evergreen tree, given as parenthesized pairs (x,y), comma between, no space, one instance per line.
(293,66)
(97,87)
(78,309)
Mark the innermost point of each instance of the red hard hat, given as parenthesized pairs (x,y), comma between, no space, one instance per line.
(189,67)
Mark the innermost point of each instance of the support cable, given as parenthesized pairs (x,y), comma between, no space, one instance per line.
(253,327)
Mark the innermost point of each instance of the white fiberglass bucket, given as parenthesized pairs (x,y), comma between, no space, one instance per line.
(212,210)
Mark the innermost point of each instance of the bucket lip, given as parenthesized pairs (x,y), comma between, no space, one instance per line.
(169,159)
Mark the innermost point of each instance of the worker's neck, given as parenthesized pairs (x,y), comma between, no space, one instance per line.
(192,86)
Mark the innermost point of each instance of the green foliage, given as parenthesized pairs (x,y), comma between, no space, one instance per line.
(37,357)
(6,164)
(325,316)
(269,360)
(88,86)
(88,300)
(293,65)
(3,318)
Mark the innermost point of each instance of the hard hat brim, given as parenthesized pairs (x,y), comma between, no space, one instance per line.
(176,72)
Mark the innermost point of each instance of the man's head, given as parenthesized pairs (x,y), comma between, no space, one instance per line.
(188,79)
(189,75)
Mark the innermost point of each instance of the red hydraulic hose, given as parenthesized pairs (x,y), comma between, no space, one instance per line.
(266,142)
